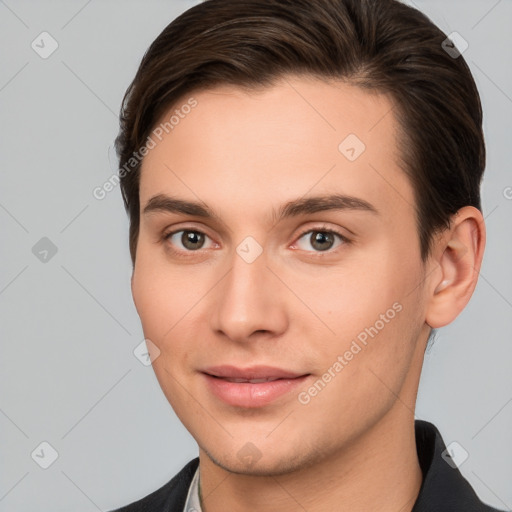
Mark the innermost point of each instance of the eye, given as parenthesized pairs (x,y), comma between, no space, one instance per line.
(190,240)
(321,240)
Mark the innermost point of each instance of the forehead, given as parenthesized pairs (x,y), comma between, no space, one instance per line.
(298,136)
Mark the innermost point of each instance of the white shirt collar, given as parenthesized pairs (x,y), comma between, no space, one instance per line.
(193,504)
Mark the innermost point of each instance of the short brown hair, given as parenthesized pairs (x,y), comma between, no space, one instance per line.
(379,45)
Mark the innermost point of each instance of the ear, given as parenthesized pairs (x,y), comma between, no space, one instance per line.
(458,254)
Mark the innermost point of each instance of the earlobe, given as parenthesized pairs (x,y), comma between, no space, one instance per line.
(460,253)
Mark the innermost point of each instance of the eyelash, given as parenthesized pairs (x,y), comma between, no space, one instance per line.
(319,229)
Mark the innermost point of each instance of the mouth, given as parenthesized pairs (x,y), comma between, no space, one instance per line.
(251,381)
(251,387)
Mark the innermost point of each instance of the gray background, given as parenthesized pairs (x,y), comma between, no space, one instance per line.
(68,326)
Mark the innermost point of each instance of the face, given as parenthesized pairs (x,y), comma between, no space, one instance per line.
(298,261)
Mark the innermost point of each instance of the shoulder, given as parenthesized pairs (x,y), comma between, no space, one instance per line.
(170,497)
(444,488)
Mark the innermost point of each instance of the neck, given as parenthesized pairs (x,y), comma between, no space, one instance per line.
(378,471)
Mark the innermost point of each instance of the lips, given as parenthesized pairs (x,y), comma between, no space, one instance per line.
(251,387)
(252,373)
(251,381)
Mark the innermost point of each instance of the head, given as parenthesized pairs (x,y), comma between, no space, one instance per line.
(302,180)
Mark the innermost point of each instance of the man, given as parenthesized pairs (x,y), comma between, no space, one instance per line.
(302,180)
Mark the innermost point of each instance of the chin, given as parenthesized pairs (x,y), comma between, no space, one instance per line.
(258,465)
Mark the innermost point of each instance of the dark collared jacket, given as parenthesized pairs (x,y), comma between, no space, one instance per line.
(444,489)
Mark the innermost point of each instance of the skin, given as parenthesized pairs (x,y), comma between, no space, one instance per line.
(244,154)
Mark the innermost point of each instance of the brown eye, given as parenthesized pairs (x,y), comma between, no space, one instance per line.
(192,240)
(320,240)
(188,239)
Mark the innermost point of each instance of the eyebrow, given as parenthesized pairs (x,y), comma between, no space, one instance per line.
(301,206)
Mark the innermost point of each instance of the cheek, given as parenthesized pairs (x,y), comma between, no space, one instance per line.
(349,297)
(169,299)
(162,299)
(372,308)
(159,298)
(162,293)
(150,299)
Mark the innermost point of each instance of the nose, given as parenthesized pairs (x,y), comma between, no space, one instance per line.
(250,302)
